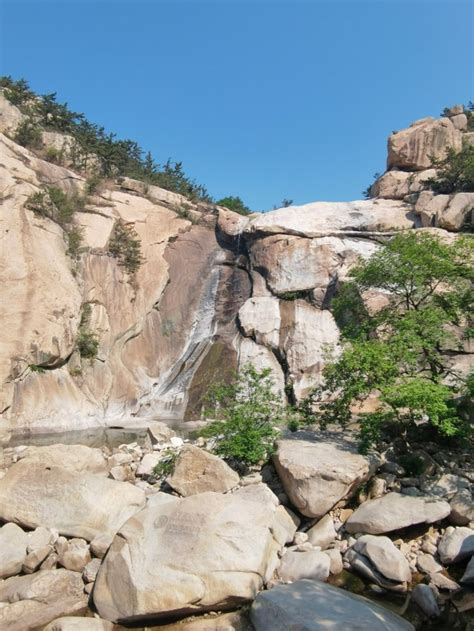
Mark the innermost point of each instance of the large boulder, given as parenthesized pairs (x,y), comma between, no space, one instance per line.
(197,471)
(386,558)
(13,549)
(457,212)
(317,472)
(395,511)
(321,219)
(398,184)
(78,458)
(456,544)
(314,606)
(204,552)
(76,504)
(29,602)
(411,149)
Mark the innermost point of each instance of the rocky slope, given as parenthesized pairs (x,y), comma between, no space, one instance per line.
(215,289)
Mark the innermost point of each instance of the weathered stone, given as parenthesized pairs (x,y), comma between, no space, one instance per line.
(443,582)
(427,564)
(203,552)
(362,564)
(457,212)
(234,621)
(90,571)
(318,474)
(425,598)
(101,543)
(13,544)
(160,432)
(446,485)
(385,557)
(149,462)
(28,602)
(36,558)
(197,471)
(456,544)
(75,556)
(462,508)
(71,623)
(76,504)
(459,121)
(323,533)
(399,184)
(296,565)
(40,538)
(395,511)
(412,148)
(262,358)
(335,559)
(315,606)
(260,319)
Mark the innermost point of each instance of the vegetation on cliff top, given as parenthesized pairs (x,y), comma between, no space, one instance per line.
(116,157)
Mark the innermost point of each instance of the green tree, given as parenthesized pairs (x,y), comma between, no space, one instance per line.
(28,134)
(235,204)
(124,245)
(455,171)
(399,351)
(247,409)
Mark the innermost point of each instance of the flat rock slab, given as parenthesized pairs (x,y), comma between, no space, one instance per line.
(78,458)
(182,556)
(296,565)
(317,472)
(73,623)
(29,602)
(76,504)
(197,471)
(314,606)
(395,511)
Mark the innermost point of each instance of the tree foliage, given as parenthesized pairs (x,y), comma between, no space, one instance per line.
(399,352)
(235,204)
(455,172)
(247,409)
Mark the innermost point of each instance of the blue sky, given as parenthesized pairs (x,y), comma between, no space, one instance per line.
(260,99)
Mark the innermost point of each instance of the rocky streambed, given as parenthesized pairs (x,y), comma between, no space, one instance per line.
(165,534)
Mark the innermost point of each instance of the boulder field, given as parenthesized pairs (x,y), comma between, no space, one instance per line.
(79,545)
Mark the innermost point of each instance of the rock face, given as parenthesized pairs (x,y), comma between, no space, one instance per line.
(316,475)
(28,602)
(313,606)
(173,328)
(197,471)
(179,556)
(76,504)
(410,149)
(395,511)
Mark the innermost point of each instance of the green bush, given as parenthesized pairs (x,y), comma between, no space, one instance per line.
(455,172)
(165,466)
(301,294)
(74,241)
(124,245)
(247,409)
(235,204)
(87,342)
(28,134)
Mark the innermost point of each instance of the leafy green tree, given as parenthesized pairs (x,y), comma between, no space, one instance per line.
(247,409)
(235,204)
(455,171)
(399,351)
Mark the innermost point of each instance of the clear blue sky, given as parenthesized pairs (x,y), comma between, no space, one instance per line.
(259,99)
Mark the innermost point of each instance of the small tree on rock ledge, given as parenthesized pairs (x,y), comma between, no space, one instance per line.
(400,351)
